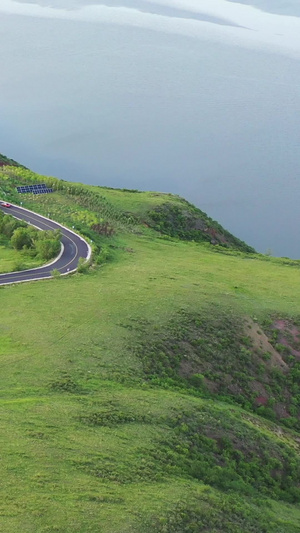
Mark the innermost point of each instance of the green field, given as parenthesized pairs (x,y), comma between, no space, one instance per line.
(129,394)
(12,260)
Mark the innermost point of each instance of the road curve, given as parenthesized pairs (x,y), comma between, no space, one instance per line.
(73,248)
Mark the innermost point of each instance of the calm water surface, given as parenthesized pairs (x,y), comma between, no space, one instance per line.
(199,98)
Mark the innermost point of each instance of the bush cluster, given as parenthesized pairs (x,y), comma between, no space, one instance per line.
(214,513)
(226,453)
(44,244)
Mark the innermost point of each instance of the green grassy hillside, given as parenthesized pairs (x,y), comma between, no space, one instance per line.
(5,161)
(159,390)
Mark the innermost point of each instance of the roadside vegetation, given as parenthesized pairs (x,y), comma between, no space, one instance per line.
(24,246)
(157,390)
(12,261)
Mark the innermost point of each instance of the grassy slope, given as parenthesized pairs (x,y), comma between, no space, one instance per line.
(4,161)
(88,442)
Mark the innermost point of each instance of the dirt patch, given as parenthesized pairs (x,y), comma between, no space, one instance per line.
(262,345)
(289,336)
(281,410)
(261,400)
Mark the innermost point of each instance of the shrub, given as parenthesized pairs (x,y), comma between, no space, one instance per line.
(48,244)
(103,255)
(197,380)
(82,266)
(55,273)
(18,265)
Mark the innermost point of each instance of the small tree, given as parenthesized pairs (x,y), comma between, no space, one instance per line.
(48,244)
(21,238)
(47,248)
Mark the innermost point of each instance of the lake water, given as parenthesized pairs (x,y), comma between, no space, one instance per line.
(198,98)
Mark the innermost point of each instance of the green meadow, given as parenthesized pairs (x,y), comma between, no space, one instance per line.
(13,260)
(130,394)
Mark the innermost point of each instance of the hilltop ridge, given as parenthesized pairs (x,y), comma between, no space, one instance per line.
(166,213)
(6,161)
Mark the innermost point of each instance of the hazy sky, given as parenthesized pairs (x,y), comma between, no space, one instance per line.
(199,98)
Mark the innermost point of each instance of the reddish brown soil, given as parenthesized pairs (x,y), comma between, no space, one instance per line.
(289,336)
(262,344)
(261,400)
(6,164)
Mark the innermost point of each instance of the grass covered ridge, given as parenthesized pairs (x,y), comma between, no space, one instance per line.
(6,161)
(159,391)
(170,215)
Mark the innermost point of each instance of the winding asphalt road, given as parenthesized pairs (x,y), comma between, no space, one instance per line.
(73,248)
